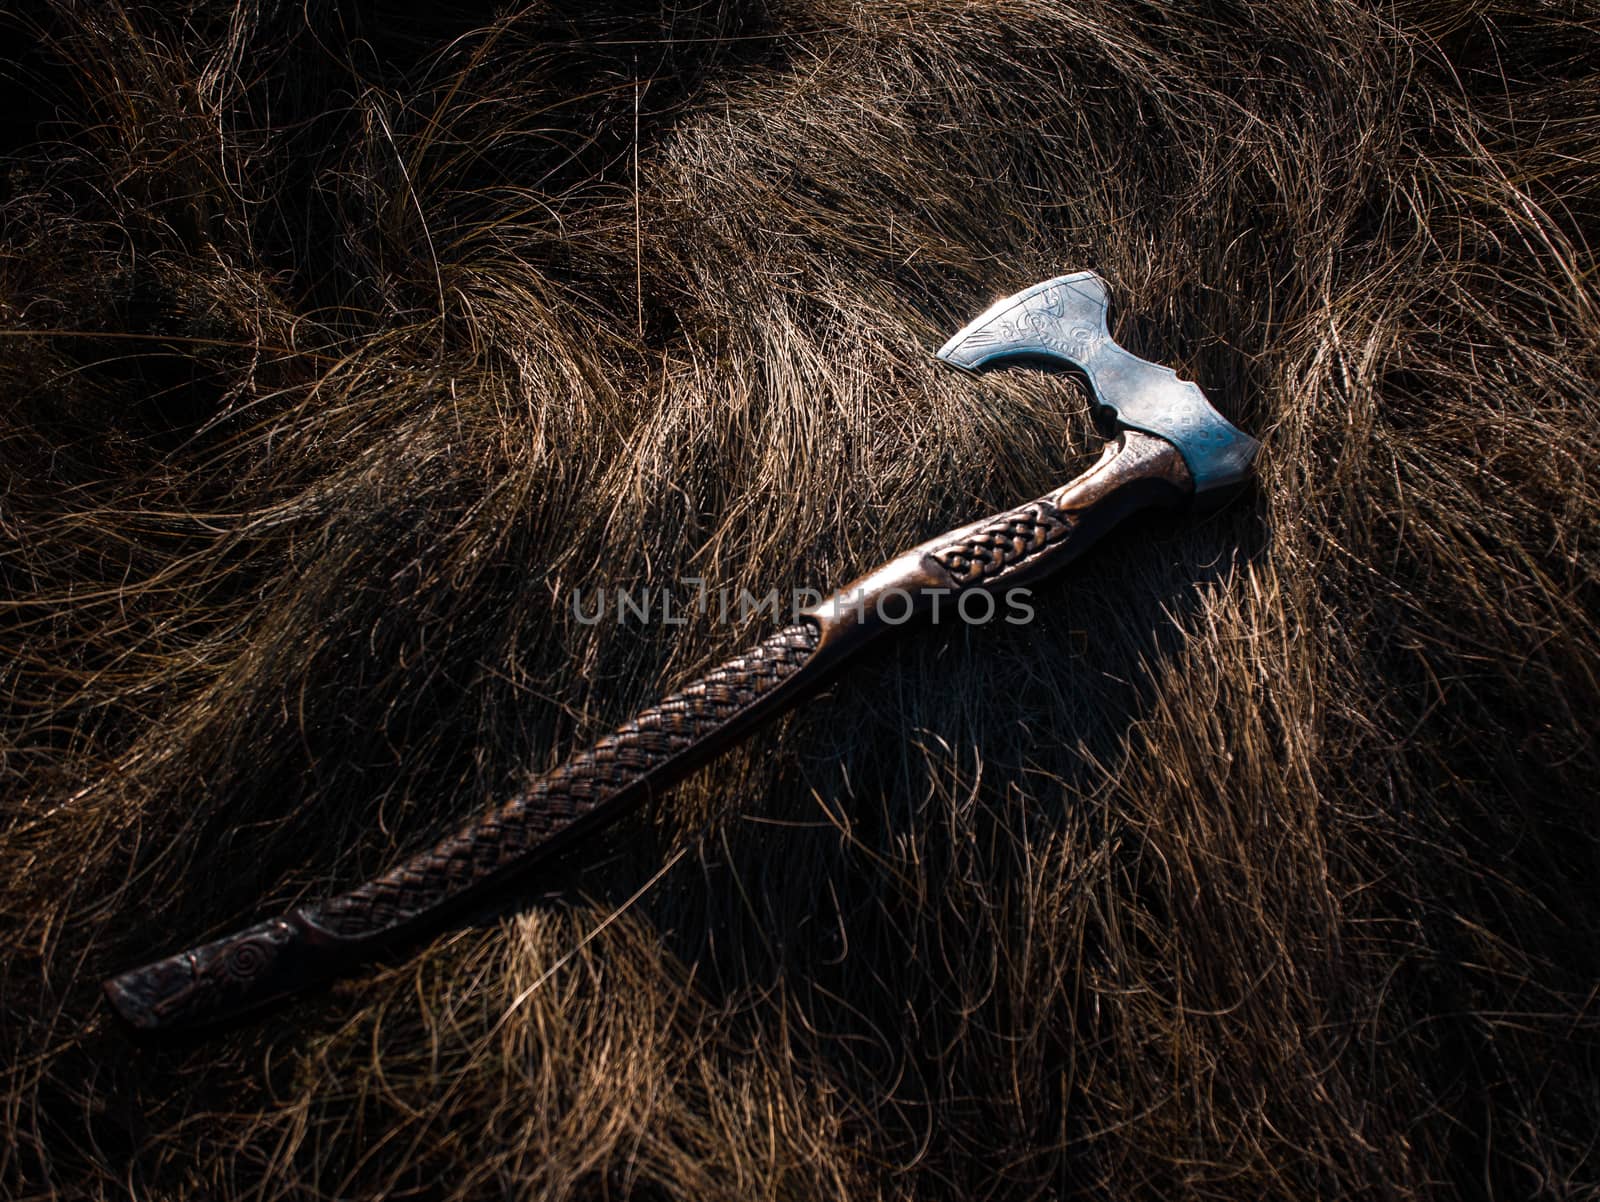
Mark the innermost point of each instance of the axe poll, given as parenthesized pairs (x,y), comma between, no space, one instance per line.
(1171,446)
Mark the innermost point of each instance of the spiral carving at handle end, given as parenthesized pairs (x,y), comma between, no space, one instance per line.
(213,982)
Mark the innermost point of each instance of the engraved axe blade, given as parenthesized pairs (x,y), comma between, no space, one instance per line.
(1064,321)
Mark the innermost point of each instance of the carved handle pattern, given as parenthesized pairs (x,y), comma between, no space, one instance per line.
(222,977)
(244,971)
(1002,542)
(587,788)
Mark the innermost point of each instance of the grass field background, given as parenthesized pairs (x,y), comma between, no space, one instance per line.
(340,343)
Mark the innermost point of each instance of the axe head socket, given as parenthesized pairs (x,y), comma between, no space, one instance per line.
(1063,321)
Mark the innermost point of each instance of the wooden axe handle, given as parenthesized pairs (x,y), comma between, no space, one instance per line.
(242,972)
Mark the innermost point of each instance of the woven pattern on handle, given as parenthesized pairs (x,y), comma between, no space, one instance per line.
(579,790)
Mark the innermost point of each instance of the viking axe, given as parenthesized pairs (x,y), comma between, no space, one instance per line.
(1171,447)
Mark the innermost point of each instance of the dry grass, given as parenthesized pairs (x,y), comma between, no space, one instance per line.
(340,343)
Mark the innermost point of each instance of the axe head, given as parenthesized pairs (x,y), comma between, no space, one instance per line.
(1063,321)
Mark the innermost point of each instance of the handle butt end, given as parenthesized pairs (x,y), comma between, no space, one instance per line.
(216,982)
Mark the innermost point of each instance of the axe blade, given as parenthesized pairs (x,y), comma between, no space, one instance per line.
(1063,321)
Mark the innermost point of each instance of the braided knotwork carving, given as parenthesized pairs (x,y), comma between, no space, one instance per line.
(248,968)
(579,789)
(1004,540)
